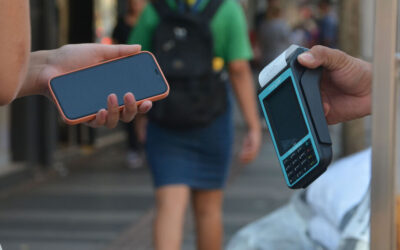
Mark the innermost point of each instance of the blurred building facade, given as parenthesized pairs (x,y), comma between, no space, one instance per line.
(31,132)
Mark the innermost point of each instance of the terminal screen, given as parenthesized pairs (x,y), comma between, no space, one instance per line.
(285,116)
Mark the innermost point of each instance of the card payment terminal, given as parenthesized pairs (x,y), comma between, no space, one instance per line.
(291,102)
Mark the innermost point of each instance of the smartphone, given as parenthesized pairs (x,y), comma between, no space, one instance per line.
(80,94)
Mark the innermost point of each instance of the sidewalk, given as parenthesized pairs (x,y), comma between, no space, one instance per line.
(104,205)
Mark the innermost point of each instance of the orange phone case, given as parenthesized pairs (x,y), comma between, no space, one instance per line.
(92,116)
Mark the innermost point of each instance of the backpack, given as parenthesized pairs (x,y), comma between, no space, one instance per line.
(183,45)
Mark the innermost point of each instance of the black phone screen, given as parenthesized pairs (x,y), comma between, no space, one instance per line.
(285,116)
(85,92)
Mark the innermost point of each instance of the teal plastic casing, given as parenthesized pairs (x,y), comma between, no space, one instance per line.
(307,158)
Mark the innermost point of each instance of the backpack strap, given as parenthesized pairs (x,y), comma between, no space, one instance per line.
(211,8)
(162,8)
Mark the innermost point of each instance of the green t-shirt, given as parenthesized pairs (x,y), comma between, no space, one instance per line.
(228,27)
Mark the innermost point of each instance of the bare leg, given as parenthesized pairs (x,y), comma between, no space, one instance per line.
(168,225)
(208,213)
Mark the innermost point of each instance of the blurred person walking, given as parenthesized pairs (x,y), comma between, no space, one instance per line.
(273,33)
(120,35)
(190,135)
(305,32)
(327,24)
(126,23)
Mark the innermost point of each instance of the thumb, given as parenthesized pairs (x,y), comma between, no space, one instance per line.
(330,59)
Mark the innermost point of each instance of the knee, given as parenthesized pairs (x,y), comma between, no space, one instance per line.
(208,211)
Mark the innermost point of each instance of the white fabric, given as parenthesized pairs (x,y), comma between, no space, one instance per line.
(283,229)
(326,234)
(341,188)
(315,224)
(358,228)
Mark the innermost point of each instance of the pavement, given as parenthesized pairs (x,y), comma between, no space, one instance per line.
(102,204)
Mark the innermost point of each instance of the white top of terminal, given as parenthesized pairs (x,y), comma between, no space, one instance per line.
(276,66)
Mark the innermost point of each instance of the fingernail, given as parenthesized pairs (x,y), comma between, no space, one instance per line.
(149,104)
(307,57)
(129,98)
(102,112)
(113,99)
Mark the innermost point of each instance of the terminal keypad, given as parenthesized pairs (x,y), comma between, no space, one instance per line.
(300,161)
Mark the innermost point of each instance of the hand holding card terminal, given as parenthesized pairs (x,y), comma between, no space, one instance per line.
(291,102)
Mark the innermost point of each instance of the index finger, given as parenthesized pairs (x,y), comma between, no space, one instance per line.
(108,52)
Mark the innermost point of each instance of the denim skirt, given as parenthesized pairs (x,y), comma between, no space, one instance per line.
(199,158)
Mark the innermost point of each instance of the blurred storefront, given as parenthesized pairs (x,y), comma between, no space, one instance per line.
(33,120)
(105,19)
(31,131)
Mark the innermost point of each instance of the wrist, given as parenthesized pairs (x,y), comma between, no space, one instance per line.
(34,82)
(254,127)
(42,71)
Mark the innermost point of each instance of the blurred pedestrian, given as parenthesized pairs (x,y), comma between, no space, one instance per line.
(299,35)
(273,33)
(190,135)
(327,24)
(125,25)
(307,28)
(23,73)
(127,22)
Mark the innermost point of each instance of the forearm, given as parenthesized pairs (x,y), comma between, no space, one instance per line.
(15,41)
(242,82)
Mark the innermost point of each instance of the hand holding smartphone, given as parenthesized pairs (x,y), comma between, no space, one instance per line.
(83,92)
